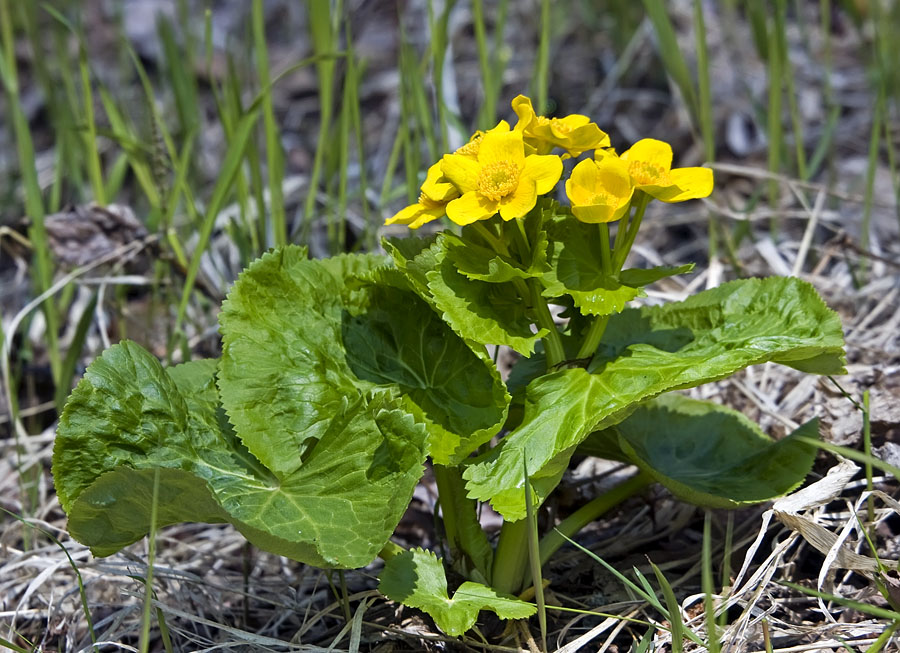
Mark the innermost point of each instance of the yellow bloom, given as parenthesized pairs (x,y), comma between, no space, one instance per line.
(500,178)
(574,133)
(600,191)
(650,165)
(470,149)
(436,192)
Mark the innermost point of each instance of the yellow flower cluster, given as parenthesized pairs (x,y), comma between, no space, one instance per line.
(504,170)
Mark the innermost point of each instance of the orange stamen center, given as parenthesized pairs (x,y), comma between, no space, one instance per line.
(428,203)
(472,147)
(498,179)
(647,174)
(560,126)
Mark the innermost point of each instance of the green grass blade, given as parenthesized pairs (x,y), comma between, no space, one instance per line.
(542,65)
(706,580)
(72,356)
(676,623)
(34,203)
(323,39)
(774,115)
(230,168)
(274,154)
(670,54)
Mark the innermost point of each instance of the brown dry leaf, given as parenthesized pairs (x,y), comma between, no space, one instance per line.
(81,234)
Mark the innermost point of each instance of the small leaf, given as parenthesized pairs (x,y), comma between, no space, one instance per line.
(646,352)
(416,579)
(577,270)
(637,277)
(474,258)
(711,455)
(481,312)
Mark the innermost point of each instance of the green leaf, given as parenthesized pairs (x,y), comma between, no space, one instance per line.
(576,270)
(130,424)
(299,342)
(711,455)
(397,341)
(416,579)
(637,277)
(484,264)
(482,312)
(475,259)
(646,352)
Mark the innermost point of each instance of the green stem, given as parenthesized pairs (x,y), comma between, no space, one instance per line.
(553,347)
(590,512)
(460,515)
(552,341)
(639,202)
(511,558)
(593,337)
(604,248)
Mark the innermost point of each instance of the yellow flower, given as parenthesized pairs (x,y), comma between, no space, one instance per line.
(600,191)
(650,165)
(500,178)
(470,149)
(436,192)
(574,133)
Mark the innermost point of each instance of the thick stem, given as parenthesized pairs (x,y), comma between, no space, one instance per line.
(461,525)
(553,347)
(592,339)
(511,557)
(591,511)
(639,202)
(604,248)
(624,242)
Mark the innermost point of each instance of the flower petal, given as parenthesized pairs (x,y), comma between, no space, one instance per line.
(427,216)
(524,110)
(687,184)
(436,188)
(520,202)
(596,213)
(561,128)
(461,170)
(613,176)
(586,137)
(470,208)
(543,170)
(500,146)
(581,186)
(407,215)
(652,151)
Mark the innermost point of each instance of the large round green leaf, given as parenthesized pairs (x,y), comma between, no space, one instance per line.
(711,455)
(130,426)
(302,338)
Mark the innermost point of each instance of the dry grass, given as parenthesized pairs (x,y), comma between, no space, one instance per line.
(213,592)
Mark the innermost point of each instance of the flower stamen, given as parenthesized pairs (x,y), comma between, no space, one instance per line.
(498,179)
(648,174)
(559,126)
(473,146)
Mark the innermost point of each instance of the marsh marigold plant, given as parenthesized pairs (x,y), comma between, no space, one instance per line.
(341,377)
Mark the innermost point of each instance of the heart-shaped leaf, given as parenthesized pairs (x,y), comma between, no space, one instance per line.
(133,433)
(298,341)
